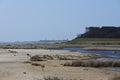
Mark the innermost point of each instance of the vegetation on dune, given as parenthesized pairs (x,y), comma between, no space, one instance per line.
(77,61)
(35,64)
(11,51)
(55,78)
(93,63)
(115,78)
(32,46)
(41,58)
(63,57)
(52,78)
(50,57)
(36,58)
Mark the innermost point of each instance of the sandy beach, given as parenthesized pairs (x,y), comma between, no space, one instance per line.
(13,66)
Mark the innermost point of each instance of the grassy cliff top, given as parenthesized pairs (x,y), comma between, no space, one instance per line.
(96,41)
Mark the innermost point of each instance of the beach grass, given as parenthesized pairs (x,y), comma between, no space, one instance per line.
(115,78)
(93,63)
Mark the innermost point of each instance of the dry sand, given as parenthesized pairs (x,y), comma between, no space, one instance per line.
(12,67)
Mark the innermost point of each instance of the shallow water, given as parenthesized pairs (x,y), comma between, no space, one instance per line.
(113,54)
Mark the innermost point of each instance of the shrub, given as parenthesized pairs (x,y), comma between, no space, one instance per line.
(52,78)
(116,64)
(12,51)
(36,64)
(27,62)
(48,57)
(57,78)
(42,66)
(41,58)
(64,57)
(36,58)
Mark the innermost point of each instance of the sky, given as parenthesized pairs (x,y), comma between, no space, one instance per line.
(34,20)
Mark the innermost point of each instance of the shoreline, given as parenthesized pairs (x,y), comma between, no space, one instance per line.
(103,48)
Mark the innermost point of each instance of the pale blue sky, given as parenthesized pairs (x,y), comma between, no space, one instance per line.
(33,20)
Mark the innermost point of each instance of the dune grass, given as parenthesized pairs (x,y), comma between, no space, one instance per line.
(63,57)
(93,63)
(52,78)
(115,78)
(41,58)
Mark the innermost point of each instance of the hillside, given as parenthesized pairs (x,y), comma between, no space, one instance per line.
(106,35)
(95,41)
(101,32)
